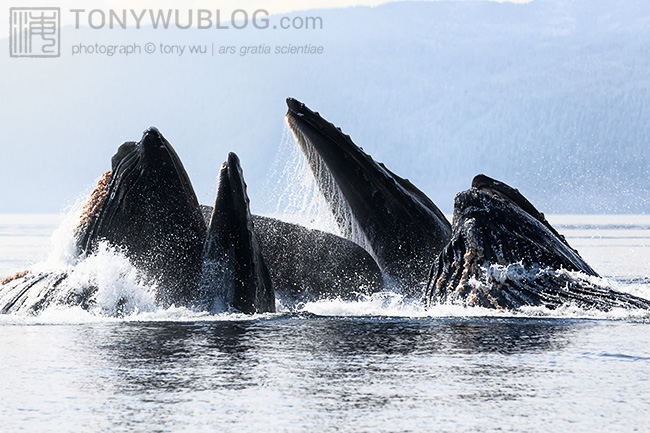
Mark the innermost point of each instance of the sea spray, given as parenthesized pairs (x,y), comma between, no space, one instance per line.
(120,286)
(63,245)
(293,194)
(105,279)
(296,196)
(64,251)
(120,289)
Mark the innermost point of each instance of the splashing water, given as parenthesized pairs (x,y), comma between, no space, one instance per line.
(293,193)
(296,196)
(63,246)
(118,288)
(121,288)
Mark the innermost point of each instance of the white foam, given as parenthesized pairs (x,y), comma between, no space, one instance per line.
(378,304)
(120,286)
(389,304)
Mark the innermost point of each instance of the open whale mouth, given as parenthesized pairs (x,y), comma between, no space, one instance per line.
(360,178)
(234,272)
(381,211)
(133,167)
(149,209)
(505,255)
(347,163)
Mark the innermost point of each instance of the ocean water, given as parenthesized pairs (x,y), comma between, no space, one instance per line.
(379,365)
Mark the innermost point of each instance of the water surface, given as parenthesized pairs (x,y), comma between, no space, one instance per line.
(380,364)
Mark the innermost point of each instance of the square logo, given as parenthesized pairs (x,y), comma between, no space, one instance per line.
(34,32)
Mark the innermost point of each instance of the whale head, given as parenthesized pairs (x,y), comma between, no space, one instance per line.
(149,210)
(235,275)
(504,254)
(400,225)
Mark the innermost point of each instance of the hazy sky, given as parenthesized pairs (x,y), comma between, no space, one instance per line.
(545,97)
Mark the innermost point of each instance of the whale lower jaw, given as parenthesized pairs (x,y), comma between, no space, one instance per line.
(235,275)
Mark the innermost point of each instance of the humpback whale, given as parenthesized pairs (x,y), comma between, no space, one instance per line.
(151,212)
(146,207)
(234,272)
(400,225)
(504,254)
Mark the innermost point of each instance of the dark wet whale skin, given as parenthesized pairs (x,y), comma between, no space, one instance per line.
(151,212)
(402,225)
(234,268)
(493,227)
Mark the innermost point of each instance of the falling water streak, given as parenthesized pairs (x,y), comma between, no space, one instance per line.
(299,198)
(294,195)
(338,205)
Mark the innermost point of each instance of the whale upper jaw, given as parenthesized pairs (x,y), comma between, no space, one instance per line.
(513,197)
(402,227)
(510,234)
